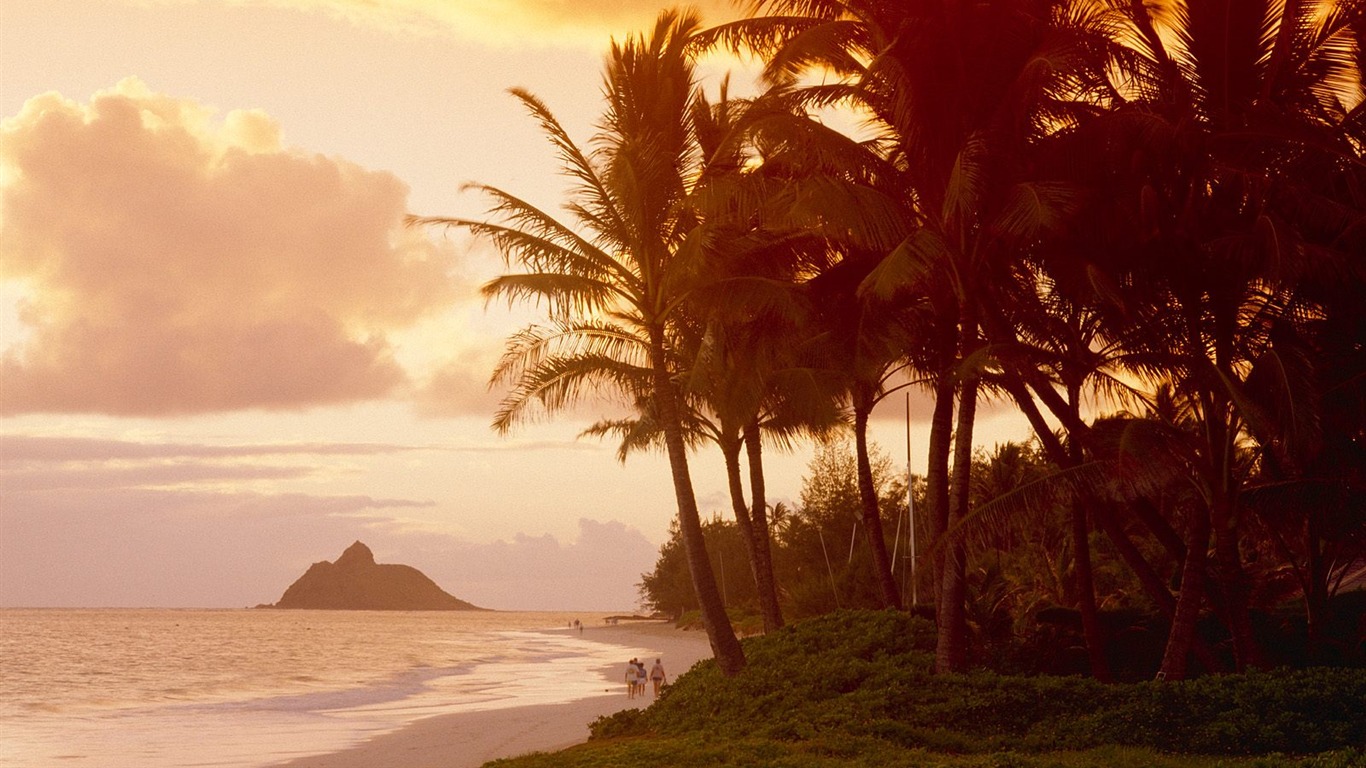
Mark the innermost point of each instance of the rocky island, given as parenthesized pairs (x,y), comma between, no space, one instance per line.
(356,582)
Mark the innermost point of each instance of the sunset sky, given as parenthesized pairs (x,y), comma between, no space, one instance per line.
(222,357)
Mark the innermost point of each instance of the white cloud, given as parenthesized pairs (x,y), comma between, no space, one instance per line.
(175,264)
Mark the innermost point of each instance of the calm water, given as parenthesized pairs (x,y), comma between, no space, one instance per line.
(244,688)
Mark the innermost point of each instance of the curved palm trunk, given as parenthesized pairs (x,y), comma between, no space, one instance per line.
(1150,580)
(872,516)
(763,582)
(1189,599)
(768,585)
(1152,583)
(725,646)
(951,650)
(1161,530)
(937,473)
(730,450)
(1081,544)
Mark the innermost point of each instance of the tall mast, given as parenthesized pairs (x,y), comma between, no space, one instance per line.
(910,505)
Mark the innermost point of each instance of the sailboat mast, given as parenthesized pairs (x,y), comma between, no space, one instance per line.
(910,505)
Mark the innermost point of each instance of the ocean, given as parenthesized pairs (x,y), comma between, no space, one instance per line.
(252,688)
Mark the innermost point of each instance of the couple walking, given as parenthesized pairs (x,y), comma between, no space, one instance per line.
(635,678)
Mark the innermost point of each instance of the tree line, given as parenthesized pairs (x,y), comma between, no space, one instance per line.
(1050,203)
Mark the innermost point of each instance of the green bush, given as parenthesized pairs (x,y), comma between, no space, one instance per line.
(865,675)
(1289,711)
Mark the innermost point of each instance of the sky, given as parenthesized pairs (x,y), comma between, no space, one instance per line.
(222,355)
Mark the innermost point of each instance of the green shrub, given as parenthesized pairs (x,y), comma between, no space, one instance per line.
(865,675)
(1288,711)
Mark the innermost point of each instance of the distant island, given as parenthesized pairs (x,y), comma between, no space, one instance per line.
(356,582)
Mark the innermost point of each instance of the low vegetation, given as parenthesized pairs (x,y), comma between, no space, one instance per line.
(856,688)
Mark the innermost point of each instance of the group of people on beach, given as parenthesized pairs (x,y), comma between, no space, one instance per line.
(636,677)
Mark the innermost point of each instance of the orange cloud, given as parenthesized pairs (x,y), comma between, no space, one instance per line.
(459,387)
(508,22)
(172,263)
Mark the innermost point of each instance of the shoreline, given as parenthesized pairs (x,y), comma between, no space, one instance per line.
(470,739)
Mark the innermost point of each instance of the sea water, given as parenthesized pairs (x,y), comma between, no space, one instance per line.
(251,688)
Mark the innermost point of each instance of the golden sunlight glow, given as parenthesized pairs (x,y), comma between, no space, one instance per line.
(512,23)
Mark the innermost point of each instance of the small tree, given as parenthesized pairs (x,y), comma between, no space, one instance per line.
(668,588)
(822,557)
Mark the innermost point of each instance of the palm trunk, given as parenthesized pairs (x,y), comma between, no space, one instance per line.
(1224,521)
(1246,651)
(730,450)
(1151,581)
(951,650)
(1189,599)
(1081,544)
(1148,514)
(1086,595)
(872,516)
(725,646)
(1316,595)
(768,586)
(763,582)
(937,474)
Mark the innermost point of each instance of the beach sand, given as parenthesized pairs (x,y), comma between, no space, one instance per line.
(470,739)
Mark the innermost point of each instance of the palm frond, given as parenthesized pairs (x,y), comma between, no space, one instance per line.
(1061,487)
(563,295)
(531,346)
(1033,209)
(634,435)
(592,193)
(908,265)
(558,382)
(964,190)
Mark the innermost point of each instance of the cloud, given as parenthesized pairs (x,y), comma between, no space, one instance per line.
(172,548)
(507,22)
(26,448)
(598,570)
(100,522)
(175,548)
(34,463)
(172,263)
(144,476)
(459,387)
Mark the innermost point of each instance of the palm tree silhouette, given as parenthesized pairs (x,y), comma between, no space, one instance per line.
(615,282)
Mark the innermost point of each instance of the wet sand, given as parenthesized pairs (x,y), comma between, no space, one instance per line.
(470,739)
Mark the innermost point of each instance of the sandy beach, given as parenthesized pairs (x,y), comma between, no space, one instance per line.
(470,739)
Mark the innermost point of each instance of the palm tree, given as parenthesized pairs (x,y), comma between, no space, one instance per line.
(863,344)
(1226,104)
(960,90)
(742,372)
(616,280)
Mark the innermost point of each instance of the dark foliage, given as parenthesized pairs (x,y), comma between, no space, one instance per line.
(868,674)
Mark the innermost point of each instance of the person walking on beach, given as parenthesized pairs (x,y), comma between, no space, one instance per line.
(657,676)
(632,673)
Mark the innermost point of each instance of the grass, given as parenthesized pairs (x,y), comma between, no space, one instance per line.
(700,751)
